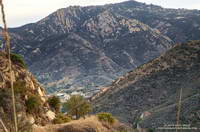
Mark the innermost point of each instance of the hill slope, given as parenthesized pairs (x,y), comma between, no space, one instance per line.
(152,89)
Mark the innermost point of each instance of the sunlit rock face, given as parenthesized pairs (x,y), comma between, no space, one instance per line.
(85,48)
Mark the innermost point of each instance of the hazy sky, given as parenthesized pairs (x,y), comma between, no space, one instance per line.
(21,12)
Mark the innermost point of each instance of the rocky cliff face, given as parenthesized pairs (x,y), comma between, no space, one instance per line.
(151,91)
(84,48)
(25,87)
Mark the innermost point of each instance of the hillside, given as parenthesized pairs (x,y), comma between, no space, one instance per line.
(28,92)
(85,48)
(151,91)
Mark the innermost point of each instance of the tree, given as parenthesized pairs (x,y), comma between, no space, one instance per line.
(77,106)
(55,103)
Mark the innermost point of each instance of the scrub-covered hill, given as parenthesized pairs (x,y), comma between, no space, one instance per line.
(152,90)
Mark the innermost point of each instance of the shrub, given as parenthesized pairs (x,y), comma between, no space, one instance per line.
(55,103)
(33,104)
(106,117)
(77,106)
(15,58)
(60,118)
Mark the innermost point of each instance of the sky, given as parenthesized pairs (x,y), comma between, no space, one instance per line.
(20,12)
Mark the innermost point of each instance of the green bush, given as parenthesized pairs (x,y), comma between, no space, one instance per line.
(33,104)
(77,106)
(61,118)
(106,117)
(55,103)
(15,58)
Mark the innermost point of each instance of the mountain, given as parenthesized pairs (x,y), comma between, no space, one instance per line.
(85,48)
(149,94)
(28,93)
